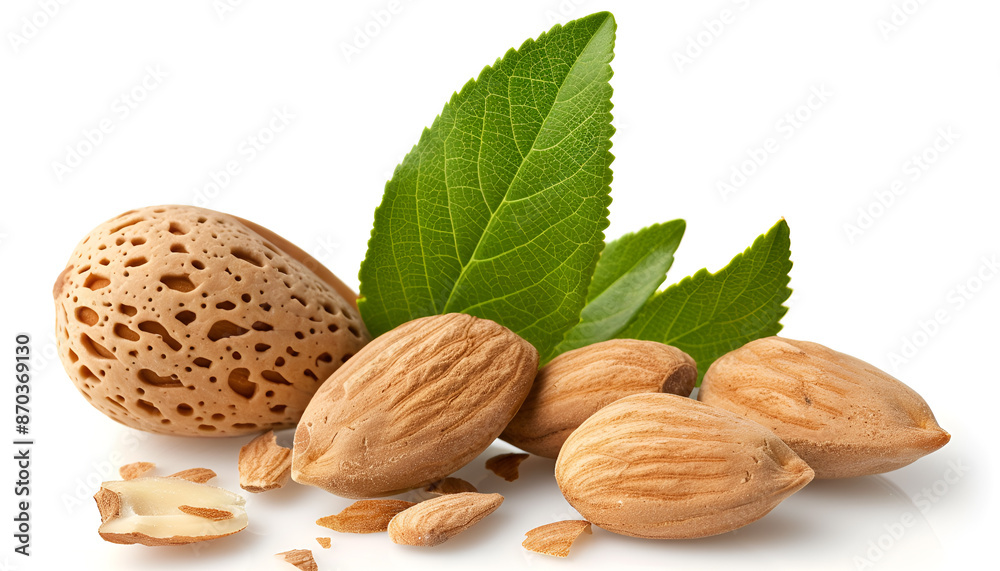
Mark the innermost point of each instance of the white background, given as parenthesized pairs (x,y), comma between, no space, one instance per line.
(682,127)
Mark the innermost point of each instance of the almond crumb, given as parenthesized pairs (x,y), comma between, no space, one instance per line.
(301,558)
(365,516)
(264,465)
(207,513)
(505,465)
(196,475)
(324,542)
(449,486)
(135,470)
(555,538)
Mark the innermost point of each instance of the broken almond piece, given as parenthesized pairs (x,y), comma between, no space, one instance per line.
(505,465)
(207,513)
(196,475)
(449,486)
(151,511)
(555,538)
(365,516)
(435,521)
(301,558)
(135,470)
(324,542)
(264,465)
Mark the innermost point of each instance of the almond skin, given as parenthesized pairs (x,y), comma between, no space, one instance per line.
(578,383)
(665,466)
(413,406)
(843,416)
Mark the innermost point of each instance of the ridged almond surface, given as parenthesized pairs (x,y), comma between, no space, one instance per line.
(413,406)
(666,466)
(435,521)
(841,415)
(182,320)
(580,382)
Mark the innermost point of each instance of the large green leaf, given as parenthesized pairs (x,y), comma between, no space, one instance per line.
(499,209)
(627,274)
(708,315)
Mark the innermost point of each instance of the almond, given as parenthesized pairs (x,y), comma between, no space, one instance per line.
(413,406)
(182,320)
(666,466)
(841,415)
(167,511)
(578,383)
(435,521)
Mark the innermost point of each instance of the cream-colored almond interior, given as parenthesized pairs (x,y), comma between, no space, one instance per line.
(150,506)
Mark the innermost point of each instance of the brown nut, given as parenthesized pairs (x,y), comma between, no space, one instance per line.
(181,320)
(414,406)
(578,383)
(665,466)
(841,415)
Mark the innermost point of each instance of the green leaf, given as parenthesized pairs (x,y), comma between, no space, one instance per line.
(708,315)
(499,209)
(627,274)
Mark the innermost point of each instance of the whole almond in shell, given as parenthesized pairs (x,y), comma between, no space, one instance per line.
(578,383)
(841,415)
(665,466)
(415,405)
(182,320)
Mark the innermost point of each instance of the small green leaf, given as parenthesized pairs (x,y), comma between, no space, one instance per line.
(708,315)
(499,209)
(628,272)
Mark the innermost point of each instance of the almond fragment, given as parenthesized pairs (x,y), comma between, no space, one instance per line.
(301,558)
(365,516)
(843,416)
(207,513)
(435,521)
(196,475)
(158,511)
(449,486)
(505,465)
(555,538)
(324,542)
(264,465)
(135,470)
